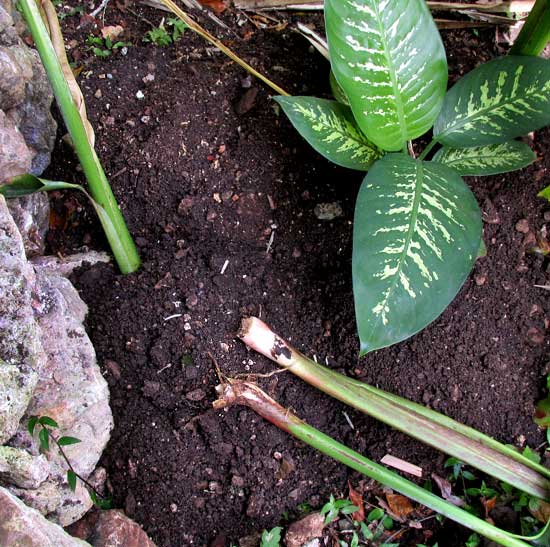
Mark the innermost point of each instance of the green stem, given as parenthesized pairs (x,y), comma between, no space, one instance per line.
(244,393)
(535,33)
(427,150)
(116,231)
(428,426)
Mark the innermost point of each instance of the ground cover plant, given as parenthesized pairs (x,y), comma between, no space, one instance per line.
(417,226)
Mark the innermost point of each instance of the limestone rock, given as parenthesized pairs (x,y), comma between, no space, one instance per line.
(21,353)
(65,266)
(15,156)
(111,529)
(21,526)
(31,214)
(22,469)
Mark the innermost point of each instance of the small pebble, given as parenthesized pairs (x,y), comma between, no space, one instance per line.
(140,95)
(522,226)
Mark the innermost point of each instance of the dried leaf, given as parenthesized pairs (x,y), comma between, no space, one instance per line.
(357,499)
(541,512)
(488,505)
(217,6)
(52,23)
(304,530)
(446,491)
(400,505)
(112,32)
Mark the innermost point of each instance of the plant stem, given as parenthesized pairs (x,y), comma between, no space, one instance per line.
(427,150)
(195,27)
(535,33)
(250,395)
(116,231)
(428,426)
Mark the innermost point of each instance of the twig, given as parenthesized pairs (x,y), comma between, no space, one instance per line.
(101,6)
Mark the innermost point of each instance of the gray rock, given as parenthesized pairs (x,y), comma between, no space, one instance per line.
(65,266)
(16,69)
(21,353)
(21,526)
(31,214)
(15,156)
(22,469)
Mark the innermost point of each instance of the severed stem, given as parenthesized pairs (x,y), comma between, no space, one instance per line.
(236,392)
(430,427)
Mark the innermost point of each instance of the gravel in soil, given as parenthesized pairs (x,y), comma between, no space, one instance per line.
(221,196)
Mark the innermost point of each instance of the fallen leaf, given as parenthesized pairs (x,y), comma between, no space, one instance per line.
(217,6)
(112,32)
(541,512)
(287,467)
(357,499)
(304,530)
(446,491)
(488,505)
(399,505)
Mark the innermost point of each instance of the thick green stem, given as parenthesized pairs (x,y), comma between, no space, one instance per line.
(535,33)
(244,393)
(428,426)
(115,228)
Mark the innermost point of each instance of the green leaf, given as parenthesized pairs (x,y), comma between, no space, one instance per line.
(389,59)
(544,193)
(271,538)
(417,232)
(71,479)
(375,514)
(66,441)
(23,185)
(46,420)
(33,420)
(44,440)
(487,160)
(496,102)
(330,128)
(337,91)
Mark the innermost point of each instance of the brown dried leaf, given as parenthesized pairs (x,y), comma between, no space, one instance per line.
(112,32)
(357,499)
(399,505)
(542,512)
(488,506)
(217,6)
(52,23)
(305,530)
(446,490)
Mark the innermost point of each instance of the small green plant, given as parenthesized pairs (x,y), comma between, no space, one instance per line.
(46,438)
(417,225)
(334,508)
(161,36)
(271,538)
(104,47)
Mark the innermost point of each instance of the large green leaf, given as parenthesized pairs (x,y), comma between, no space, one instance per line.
(330,128)
(389,59)
(496,102)
(487,160)
(417,233)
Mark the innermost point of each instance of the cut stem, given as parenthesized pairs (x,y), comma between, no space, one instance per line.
(430,427)
(535,33)
(250,395)
(115,229)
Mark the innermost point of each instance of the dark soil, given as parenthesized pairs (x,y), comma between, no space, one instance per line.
(219,192)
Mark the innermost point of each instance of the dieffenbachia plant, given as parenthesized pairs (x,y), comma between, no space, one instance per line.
(417,226)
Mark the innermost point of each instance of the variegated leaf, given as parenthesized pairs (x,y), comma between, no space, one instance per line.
(330,128)
(389,59)
(337,91)
(496,102)
(417,233)
(487,160)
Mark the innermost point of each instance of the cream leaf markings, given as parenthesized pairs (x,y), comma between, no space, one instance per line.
(496,102)
(486,160)
(386,70)
(337,130)
(416,230)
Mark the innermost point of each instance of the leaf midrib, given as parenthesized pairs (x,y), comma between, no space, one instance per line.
(393,75)
(481,112)
(419,168)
